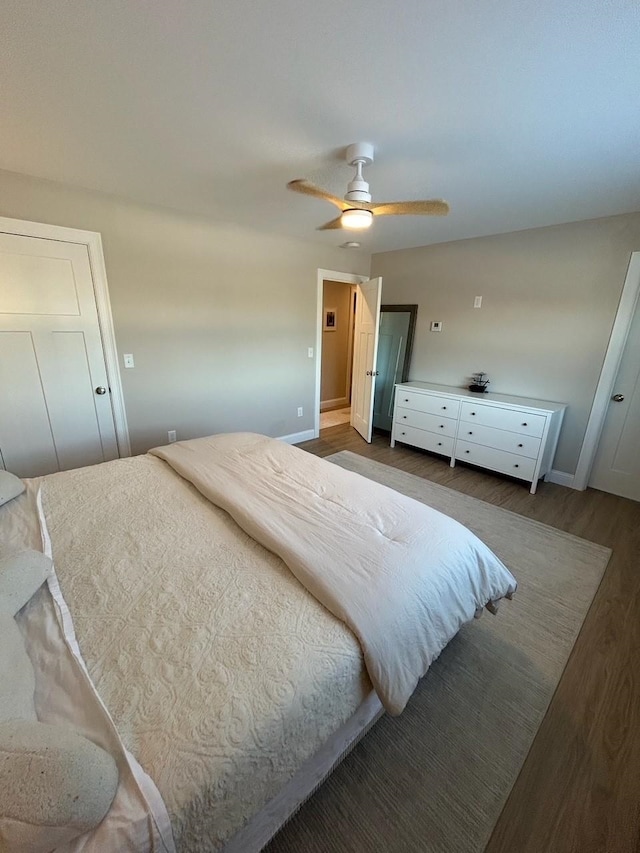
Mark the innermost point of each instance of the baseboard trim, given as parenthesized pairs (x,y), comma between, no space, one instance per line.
(561,478)
(338,403)
(297,437)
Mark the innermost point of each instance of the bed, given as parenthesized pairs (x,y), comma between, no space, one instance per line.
(227,688)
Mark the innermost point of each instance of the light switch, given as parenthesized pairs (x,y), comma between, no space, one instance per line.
(310,352)
(128,359)
(477,302)
(436,325)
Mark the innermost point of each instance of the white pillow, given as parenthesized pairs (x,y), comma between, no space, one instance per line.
(10,487)
(54,786)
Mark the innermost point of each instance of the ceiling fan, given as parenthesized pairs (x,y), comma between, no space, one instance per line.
(357,208)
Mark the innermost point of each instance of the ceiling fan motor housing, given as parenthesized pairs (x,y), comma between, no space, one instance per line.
(359,154)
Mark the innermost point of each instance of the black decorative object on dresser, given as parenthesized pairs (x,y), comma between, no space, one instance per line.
(479,383)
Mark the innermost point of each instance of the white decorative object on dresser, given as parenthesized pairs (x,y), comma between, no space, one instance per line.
(512,435)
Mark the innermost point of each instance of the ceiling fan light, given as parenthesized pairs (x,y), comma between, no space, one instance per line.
(356,218)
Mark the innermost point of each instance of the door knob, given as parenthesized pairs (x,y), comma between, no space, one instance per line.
(101,390)
(618,398)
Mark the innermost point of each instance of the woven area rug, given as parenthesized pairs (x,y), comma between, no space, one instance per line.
(436,778)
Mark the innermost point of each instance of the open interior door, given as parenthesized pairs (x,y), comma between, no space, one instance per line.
(616,468)
(365,350)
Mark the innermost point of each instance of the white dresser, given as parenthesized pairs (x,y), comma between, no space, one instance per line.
(512,435)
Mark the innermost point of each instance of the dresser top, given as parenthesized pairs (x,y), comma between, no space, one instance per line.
(488,397)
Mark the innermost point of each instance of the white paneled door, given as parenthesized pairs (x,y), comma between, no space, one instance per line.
(365,349)
(617,464)
(55,406)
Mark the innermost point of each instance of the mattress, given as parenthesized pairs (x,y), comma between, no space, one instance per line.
(172,603)
(403,576)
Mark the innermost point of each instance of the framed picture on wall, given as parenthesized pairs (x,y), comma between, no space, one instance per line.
(330,320)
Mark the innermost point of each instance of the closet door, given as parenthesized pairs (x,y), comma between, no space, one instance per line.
(616,468)
(55,410)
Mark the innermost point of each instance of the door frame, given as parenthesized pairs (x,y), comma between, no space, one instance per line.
(330,275)
(609,372)
(352,323)
(93,241)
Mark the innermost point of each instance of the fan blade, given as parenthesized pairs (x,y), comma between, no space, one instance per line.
(335,223)
(429,207)
(307,188)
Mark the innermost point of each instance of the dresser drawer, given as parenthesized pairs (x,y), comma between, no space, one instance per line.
(425,440)
(427,403)
(497,460)
(500,439)
(509,419)
(424,420)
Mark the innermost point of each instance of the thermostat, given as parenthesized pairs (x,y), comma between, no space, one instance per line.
(436,325)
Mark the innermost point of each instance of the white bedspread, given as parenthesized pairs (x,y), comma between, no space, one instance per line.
(222,674)
(401,575)
(137,821)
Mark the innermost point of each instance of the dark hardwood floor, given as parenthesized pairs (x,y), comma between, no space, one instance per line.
(579,789)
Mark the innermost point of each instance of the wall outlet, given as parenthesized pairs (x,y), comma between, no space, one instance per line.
(171,435)
(300,412)
(436,325)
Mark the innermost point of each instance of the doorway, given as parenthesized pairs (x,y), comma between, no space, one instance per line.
(616,466)
(608,458)
(364,347)
(338,319)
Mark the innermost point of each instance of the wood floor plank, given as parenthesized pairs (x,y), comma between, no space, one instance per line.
(579,789)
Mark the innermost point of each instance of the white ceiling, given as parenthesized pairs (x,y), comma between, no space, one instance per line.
(520,113)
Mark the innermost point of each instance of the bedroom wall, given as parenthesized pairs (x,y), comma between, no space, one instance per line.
(218,317)
(335,344)
(550,297)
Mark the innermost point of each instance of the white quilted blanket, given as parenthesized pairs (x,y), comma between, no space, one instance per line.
(220,671)
(401,575)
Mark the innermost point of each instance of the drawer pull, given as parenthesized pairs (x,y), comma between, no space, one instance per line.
(406,399)
(441,426)
(403,433)
(516,465)
(467,451)
(469,433)
(473,413)
(520,445)
(405,417)
(525,424)
(439,444)
(444,407)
